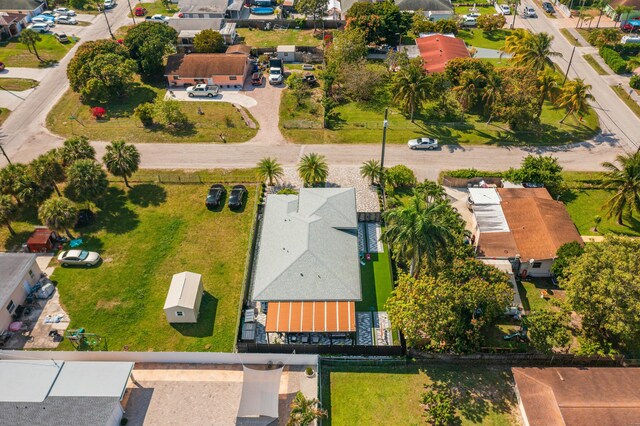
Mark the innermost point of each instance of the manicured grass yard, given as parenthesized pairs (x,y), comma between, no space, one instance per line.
(120,123)
(15,54)
(154,8)
(17,84)
(570,38)
(391,395)
(464,10)
(586,204)
(530,293)
(146,235)
(595,64)
(624,97)
(377,283)
(480,38)
(273,38)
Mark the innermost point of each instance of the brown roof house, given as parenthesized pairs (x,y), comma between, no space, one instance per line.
(222,69)
(523,225)
(610,9)
(578,396)
(438,49)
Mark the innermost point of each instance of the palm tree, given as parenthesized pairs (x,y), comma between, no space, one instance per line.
(313,169)
(601,5)
(588,18)
(58,214)
(87,181)
(535,51)
(471,82)
(121,160)
(410,86)
(514,41)
(421,229)
(430,191)
(7,212)
(371,169)
(269,168)
(547,86)
(575,97)
(16,181)
(491,93)
(47,170)
(304,411)
(625,181)
(77,148)
(29,38)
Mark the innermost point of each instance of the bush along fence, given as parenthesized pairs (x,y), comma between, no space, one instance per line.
(614,60)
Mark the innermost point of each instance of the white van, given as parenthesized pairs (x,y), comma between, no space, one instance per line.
(40,28)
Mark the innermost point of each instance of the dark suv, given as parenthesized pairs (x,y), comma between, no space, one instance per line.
(236,197)
(215,195)
(548,7)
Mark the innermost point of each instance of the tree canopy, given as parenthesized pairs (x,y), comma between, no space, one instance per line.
(381,22)
(87,181)
(540,170)
(147,43)
(209,41)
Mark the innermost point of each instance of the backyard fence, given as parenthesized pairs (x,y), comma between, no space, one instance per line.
(273,24)
(359,350)
(188,178)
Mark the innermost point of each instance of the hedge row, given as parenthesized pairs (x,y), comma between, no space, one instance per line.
(635,82)
(629,49)
(614,60)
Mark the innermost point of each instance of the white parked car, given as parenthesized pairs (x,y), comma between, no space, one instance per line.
(40,20)
(63,11)
(529,12)
(66,20)
(109,4)
(469,21)
(78,257)
(423,143)
(472,15)
(203,90)
(48,13)
(40,28)
(504,9)
(157,18)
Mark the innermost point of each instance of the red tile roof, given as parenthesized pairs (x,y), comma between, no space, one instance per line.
(437,49)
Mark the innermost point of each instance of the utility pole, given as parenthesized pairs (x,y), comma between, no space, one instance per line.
(515,12)
(133,16)
(104,12)
(4,153)
(569,66)
(385,124)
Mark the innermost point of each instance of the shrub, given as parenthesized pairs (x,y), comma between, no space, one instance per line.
(614,60)
(287,191)
(635,82)
(98,112)
(400,176)
(439,408)
(472,173)
(145,113)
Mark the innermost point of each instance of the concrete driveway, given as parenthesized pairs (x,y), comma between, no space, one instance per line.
(231,96)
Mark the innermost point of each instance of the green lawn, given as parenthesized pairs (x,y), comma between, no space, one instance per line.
(595,64)
(15,54)
(17,84)
(584,205)
(273,38)
(362,123)
(145,235)
(463,10)
(155,8)
(530,293)
(480,38)
(377,283)
(391,395)
(494,336)
(218,118)
(570,38)
(624,97)
(4,114)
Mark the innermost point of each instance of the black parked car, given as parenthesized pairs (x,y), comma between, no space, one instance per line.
(236,198)
(548,7)
(215,195)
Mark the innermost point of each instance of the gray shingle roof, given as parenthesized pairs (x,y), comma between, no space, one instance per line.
(13,266)
(308,247)
(202,6)
(22,5)
(195,24)
(56,410)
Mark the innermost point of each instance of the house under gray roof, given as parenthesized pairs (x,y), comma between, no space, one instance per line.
(21,5)
(308,247)
(203,6)
(13,267)
(196,24)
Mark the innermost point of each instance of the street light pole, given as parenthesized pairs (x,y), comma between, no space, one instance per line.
(515,12)
(133,16)
(569,66)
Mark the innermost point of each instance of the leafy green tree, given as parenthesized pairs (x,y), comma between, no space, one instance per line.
(439,407)
(410,86)
(305,412)
(312,8)
(47,170)
(603,287)
(471,85)
(7,212)
(147,44)
(575,97)
(604,37)
(313,169)
(548,330)
(360,81)
(458,67)
(169,113)
(538,169)
(381,22)
(488,22)
(449,312)
(430,191)
(76,148)
(519,101)
(29,38)
(270,169)
(624,180)
(400,176)
(58,214)
(298,88)
(372,169)
(145,112)
(348,46)
(530,50)
(491,93)
(87,181)
(547,87)
(209,41)
(566,255)
(121,159)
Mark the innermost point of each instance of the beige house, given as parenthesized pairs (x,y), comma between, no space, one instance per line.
(19,272)
(183,301)
(226,70)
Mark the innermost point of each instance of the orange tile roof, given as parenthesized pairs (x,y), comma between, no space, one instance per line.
(307,317)
(437,49)
(499,245)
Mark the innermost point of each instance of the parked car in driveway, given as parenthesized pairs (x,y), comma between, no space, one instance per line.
(548,7)
(257,78)
(40,28)
(469,21)
(50,18)
(236,197)
(66,20)
(203,90)
(78,258)
(109,4)
(63,11)
(140,11)
(215,195)
(423,143)
(61,37)
(308,67)
(157,18)
(41,20)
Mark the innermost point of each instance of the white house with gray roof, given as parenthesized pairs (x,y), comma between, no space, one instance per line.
(18,273)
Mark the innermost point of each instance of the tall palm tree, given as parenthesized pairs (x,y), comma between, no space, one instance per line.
(87,181)
(304,411)
(47,170)
(7,212)
(421,229)
(371,169)
(430,191)
(547,86)
(625,181)
(575,97)
(10,176)
(410,86)
(29,38)
(313,169)
(601,5)
(471,82)
(269,168)
(491,93)
(514,41)
(77,148)
(121,159)
(58,214)
(530,50)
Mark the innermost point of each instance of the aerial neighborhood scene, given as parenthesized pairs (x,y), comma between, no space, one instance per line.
(320,212)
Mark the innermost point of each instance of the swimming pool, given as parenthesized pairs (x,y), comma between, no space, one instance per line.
(260,10)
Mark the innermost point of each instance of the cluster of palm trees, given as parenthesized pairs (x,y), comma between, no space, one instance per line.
(74,164)
(312,169)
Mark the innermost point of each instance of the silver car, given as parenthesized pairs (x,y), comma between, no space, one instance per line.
(423,143)
(79,257)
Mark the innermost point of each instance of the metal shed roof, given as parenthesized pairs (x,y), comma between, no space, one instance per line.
(481,196)
(183,291)
(490,218)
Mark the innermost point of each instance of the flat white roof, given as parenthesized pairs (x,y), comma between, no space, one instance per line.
(480,196)
(27,380)
(86,378)
(490,218)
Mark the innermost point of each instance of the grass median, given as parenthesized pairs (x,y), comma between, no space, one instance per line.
(595,65)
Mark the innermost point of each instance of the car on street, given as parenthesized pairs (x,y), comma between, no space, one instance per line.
(66,20)
(78,258)
(140,11)
(236,197)
(40,28)
(529,12)
(203,90)
(215,195)
(548,7)
(505,9)
(423,143)
(63,11)
(157,18)
(109,4)
(61,37)
(257,78)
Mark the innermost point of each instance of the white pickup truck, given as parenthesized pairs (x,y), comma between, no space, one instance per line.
(203,90)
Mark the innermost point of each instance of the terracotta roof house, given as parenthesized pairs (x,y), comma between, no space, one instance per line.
(222,69)
(578,396)
(438,49)
(523,225)
(240,49)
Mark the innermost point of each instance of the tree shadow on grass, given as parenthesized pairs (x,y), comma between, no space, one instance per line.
(206,320)
(14,242)
(137,94)
(116,217)
(147,194)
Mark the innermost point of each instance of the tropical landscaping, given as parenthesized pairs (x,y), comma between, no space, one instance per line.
(21,52)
